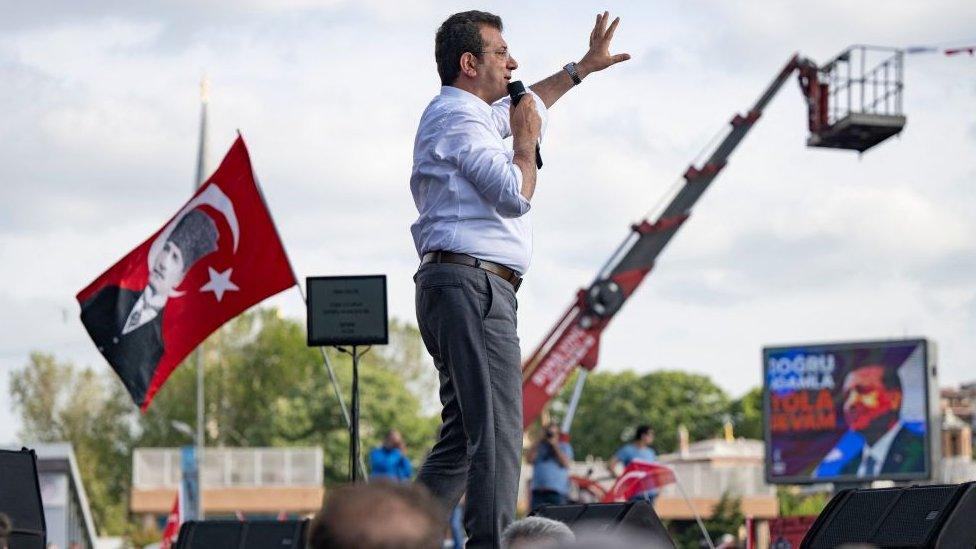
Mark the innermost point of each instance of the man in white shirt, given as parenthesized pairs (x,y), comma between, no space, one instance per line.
(474,238)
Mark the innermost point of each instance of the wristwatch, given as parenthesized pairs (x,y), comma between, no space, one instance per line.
(570,69)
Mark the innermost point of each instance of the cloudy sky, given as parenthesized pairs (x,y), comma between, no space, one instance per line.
(99,102)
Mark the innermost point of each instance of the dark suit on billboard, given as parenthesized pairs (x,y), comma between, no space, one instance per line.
(134,355)
(905,455)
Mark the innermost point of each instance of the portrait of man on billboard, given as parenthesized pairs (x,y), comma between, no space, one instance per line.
(872,404)
(846,411)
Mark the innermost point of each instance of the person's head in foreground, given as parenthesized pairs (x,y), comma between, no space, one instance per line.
(595,535)
(536,533)
(379,515)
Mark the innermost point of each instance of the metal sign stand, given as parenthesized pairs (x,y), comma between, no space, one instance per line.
(350,314)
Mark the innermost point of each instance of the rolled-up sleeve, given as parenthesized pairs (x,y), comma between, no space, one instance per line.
(472,144)
(500,115)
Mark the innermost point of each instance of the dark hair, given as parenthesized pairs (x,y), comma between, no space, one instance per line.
(641,431)
(889,376)
(379,515)
(460,34)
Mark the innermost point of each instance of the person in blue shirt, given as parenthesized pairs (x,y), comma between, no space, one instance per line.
(550,459)
(389,461)
(638,448)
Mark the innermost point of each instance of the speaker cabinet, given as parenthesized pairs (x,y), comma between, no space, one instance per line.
(235,534)
(939,517)
(638,517)
(20,499)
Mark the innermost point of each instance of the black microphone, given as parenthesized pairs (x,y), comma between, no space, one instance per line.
(516,90)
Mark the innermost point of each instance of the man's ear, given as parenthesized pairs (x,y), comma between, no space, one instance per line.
(896,400)
(469,64)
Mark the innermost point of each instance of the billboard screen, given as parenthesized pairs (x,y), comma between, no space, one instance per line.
(847,412)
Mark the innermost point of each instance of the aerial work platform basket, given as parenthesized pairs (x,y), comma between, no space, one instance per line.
(855,100)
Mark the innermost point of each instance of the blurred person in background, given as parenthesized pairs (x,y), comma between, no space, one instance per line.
(639,448)
(550,459)
(389,460)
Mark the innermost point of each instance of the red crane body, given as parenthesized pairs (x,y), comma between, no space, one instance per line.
(575,338)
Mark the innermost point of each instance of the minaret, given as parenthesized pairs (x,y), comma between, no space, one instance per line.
(202,150)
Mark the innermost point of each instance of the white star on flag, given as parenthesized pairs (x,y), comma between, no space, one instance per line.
(219,283)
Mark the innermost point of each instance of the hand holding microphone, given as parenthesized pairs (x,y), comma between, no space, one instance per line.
(526,123)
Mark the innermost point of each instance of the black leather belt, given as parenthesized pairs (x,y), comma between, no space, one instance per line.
(498,269)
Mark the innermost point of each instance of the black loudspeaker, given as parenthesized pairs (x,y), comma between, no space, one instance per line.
(942,517)
(20,499)
(637,517)
(246,534)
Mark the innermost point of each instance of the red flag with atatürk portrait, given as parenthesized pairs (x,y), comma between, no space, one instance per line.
(219,255)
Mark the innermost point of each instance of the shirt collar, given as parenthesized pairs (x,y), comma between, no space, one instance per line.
(467,97)
(880,449)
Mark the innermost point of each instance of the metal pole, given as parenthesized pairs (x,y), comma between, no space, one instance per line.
(354,426)
(701,525)
(198,356)
(301,292)
(574,401)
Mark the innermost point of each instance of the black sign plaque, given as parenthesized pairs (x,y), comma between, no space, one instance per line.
(346,310)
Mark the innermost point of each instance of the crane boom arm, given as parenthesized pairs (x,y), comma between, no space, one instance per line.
(575,339)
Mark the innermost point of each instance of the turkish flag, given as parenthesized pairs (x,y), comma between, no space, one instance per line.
(172,528)
(219,255)
(640,477)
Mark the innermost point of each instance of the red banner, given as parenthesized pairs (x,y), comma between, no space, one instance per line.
(172,528)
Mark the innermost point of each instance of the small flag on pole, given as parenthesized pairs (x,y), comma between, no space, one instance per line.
(640,477)
(172,528)
(219,255)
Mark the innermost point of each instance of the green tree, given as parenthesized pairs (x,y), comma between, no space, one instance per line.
(56,403)
(613,403)
(264,387)
(726,518)
(747,414)
(793,503)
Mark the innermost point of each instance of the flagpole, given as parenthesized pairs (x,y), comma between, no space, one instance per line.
(198,355)
(301,292)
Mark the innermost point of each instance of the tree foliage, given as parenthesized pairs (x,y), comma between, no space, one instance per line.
(614,403)
(793,503)
(264,387)
(726,518)
(747,413)
(58,402)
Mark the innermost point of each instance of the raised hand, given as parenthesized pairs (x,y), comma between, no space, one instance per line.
(598,56)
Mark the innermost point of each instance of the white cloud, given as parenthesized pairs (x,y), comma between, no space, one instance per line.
(790,244)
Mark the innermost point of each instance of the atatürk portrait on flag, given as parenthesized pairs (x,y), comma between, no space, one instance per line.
(126,325)
(219,255)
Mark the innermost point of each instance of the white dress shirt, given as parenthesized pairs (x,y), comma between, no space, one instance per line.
(879,452)
(466,188)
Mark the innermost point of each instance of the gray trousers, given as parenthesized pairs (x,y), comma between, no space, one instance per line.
(467,320)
